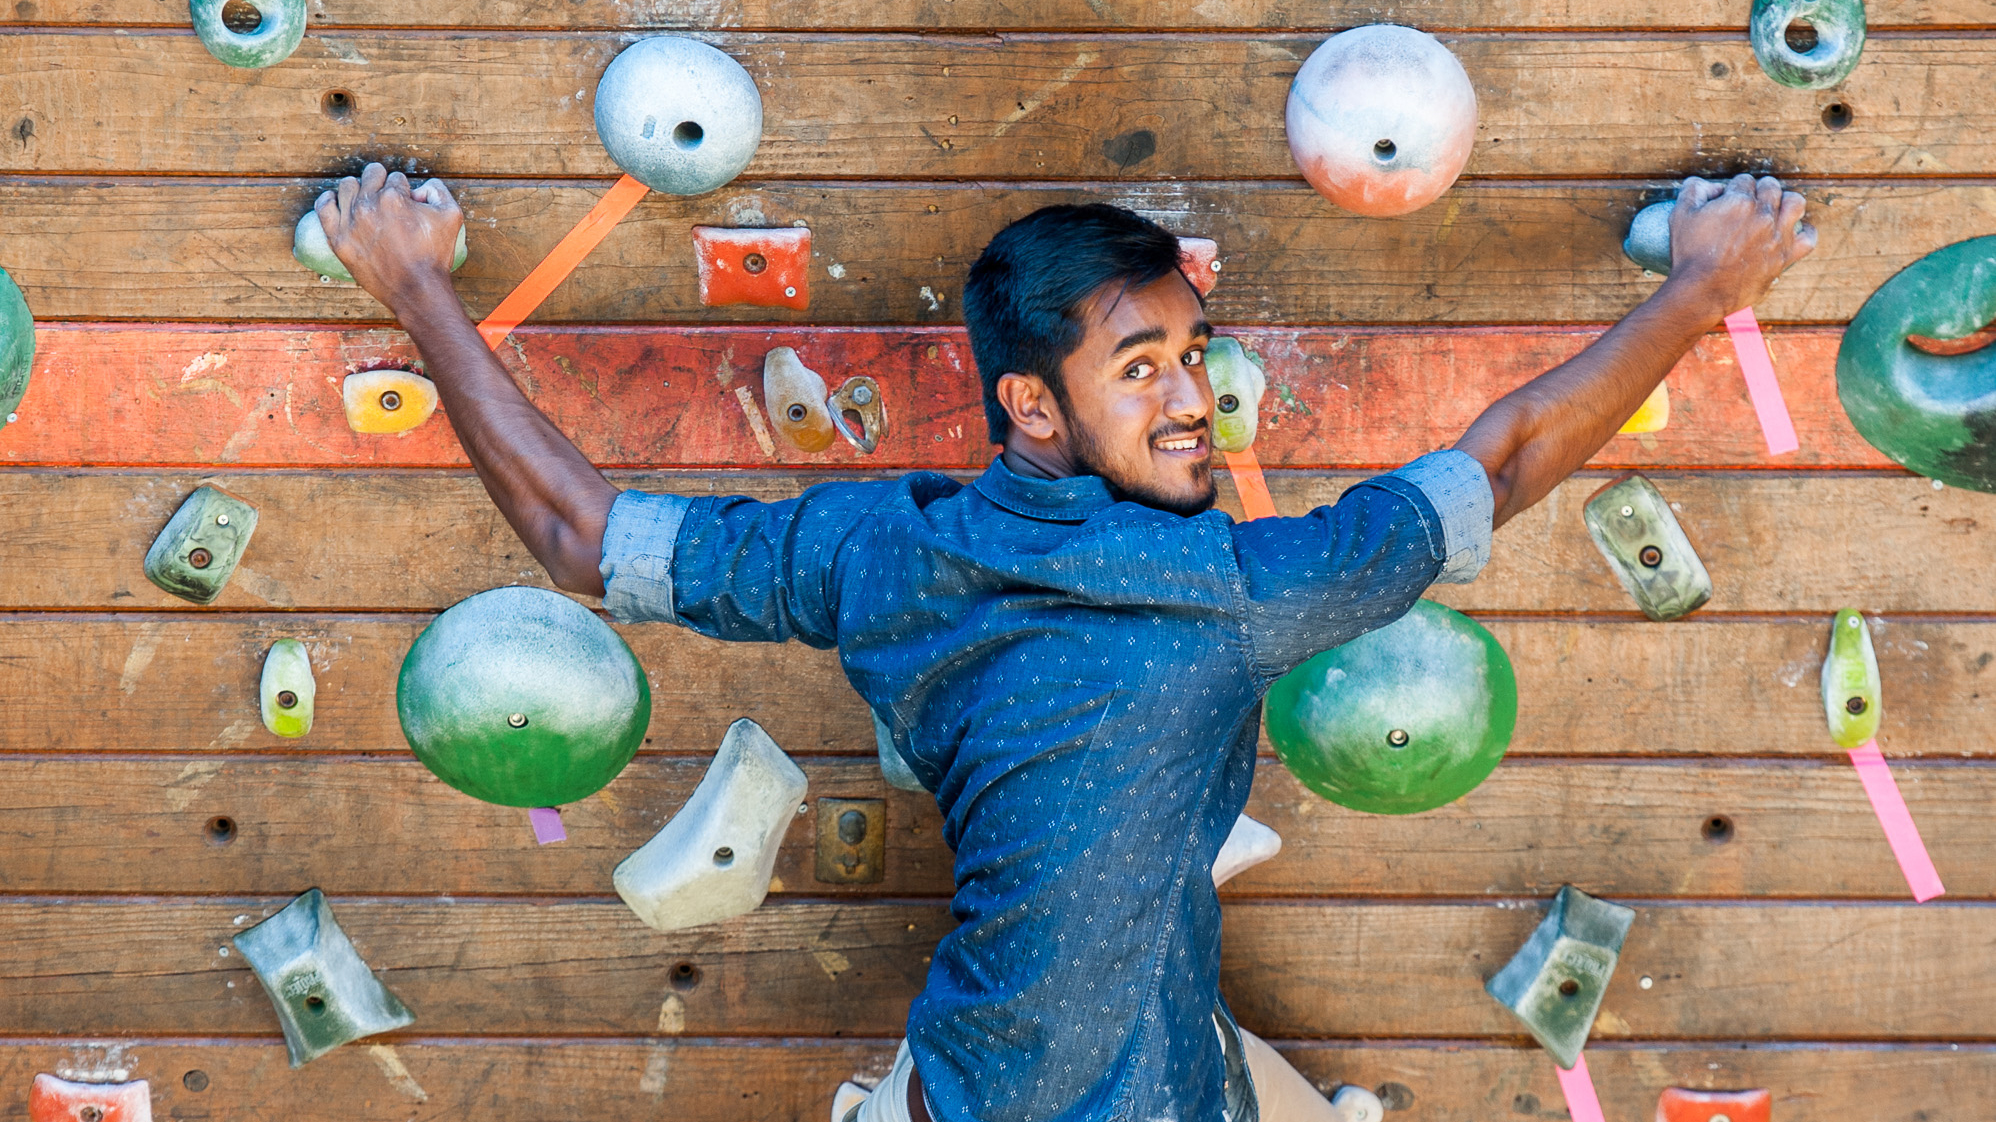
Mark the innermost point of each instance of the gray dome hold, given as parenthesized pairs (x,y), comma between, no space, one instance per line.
(678,115)
(1648,243)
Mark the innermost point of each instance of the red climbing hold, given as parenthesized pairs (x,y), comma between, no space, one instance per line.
(59,1100)
(1199,260)
(1680,1105)
(767,268)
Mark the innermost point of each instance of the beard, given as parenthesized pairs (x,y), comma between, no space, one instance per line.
(1089,457)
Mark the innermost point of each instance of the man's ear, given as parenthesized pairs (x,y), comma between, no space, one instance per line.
(1030,405)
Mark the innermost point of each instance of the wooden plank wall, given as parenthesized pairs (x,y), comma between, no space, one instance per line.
(146,199)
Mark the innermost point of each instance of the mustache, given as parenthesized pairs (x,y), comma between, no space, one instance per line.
(1167,431)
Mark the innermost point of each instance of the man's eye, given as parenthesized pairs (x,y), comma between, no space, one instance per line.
(1195,357)
(1140,370)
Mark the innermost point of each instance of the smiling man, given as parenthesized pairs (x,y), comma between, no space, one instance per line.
(1070,650)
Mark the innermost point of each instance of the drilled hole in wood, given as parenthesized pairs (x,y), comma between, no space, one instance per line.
(195,1080)
(1717,828)
(1837,116)
(241,16)
(1801,37)
(337,104)
(221,830)
(684,976)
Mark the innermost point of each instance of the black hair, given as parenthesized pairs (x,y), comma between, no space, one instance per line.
(1023,300)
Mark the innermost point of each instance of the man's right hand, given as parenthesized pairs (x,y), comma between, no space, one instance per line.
(396,240)
(1730,241)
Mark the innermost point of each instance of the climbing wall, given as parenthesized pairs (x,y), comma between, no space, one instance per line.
(147,197)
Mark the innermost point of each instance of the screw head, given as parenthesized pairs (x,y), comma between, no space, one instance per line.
(221,520)
(1628,512)
(517,720)
(390,401)
(862,395)
(1856,706)
(1398,738)
(286,699)
(790,290)
(1650,556)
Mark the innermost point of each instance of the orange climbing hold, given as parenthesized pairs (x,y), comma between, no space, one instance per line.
(1199,260)
(59,1100)
(767,268)
(387,401)
(1680,1105)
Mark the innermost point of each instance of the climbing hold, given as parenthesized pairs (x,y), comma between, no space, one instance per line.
(1199,262)
(1381,119)
(859,403)
(17,345)
(766,268)
(197,552)
(893,767)
(1678,1104)
(1636,532)
(1238,381)
(847,1100)
(1648,241)
(852,841)
(288,689)
(387,401)
(280,26)
(324,994)
(1852,694)
(522,697)
(1399,720)
(1352,1103)
(678,115)
(1556,980)
(1248,844)
(59,1100)
(1653,415)
(311,249)
(1936,414)
(1807,44)
(713,860)
(795,396)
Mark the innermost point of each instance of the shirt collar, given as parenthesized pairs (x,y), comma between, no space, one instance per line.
(1074,499)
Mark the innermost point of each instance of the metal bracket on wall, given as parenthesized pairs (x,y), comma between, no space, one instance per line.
(852,841)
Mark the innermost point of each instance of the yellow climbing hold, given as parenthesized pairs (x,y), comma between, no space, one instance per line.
(1653,414)
(387,401)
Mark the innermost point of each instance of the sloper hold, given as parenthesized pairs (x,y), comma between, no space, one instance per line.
(795,396)
(1556,980)
(713,860)
(324,993)
(384,402)
(17,345)
(310,248)
(767,268)
(1837,26)
(1852,698)
(1238,382)
(277,33)
(59,1100)
(678,115)
(1648,241)
(1678,1104)
(1636,532)
(197,552)
(287,689)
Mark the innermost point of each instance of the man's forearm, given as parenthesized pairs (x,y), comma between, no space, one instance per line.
(556,501)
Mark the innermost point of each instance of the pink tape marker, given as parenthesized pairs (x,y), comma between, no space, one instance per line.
(1904,837)
(1758,369)
(547,824)
(1578,1087)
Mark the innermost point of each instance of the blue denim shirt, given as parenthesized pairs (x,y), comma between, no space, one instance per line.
(1079,682)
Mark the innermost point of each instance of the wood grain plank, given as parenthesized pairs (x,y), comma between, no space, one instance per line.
(1036,107)
(217,250)
(127,395)
(792,1080)
(1411,971)
(356,827)
(421,540)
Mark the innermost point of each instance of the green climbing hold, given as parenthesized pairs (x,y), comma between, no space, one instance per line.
(17,346)
(280,27)
(310,248)
(287,689)
(1851,687)
(1632,526)
(324,993)
(1936,414)
(1557,979)
(1807,44)
(196,554)
(1401,720)
(522,697)
(1238,383)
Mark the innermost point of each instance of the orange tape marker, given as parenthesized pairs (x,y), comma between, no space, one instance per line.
(1255,499)
(562,260)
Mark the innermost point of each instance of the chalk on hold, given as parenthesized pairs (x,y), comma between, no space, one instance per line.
(1556,980)
(279,28)
(1238,382)
(384,402)
(324,993)
(17,346)
(287,689)
(713,860)
(1852,700)
(197,552)
(1400,720)
(310,248)
(59,1100)
(893,768)
(1199,261)
(1648,240)
(678,115)
(1678,1104)
(1248,844)
(768,268)
(522,697)
(1381,119)
(1807,44)
(795,396)
(1352,1103)
(1933,412)
(1637,534)
(859,412)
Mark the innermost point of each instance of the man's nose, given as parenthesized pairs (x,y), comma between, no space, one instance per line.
(1188,398)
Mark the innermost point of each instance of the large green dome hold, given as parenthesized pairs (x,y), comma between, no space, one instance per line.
(522,697)
(1936,414)
(1400,720)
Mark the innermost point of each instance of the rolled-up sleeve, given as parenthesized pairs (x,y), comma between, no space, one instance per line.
(1459,489)
(638,545)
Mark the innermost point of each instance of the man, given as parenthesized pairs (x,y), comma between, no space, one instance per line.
(1070,651)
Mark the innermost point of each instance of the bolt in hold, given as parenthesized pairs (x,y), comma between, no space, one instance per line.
(755,263)
(796,412)
(1856,706)
(1228,403)
(390,401)
(1650,556)
(200,558)
(1398,738)
(90,1114)
(286,699)
(1569,988)
(724,855)
(517,720)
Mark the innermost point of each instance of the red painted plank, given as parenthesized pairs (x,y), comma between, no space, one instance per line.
(120,394)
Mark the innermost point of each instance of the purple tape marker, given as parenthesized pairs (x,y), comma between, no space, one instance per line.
(1578,1087)
(547,824)
(1890,807)
(1761,385)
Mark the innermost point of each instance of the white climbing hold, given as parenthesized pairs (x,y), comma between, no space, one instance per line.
(1248,844)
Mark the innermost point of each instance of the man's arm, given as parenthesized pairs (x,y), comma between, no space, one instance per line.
(1728,243)
(397,242)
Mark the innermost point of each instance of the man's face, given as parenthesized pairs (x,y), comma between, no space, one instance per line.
(1137,397)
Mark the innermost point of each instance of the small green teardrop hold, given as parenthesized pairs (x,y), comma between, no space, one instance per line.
(522,697)
(17,344)
(1400,720)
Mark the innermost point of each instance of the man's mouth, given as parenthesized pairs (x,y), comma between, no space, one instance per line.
(1180,442)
